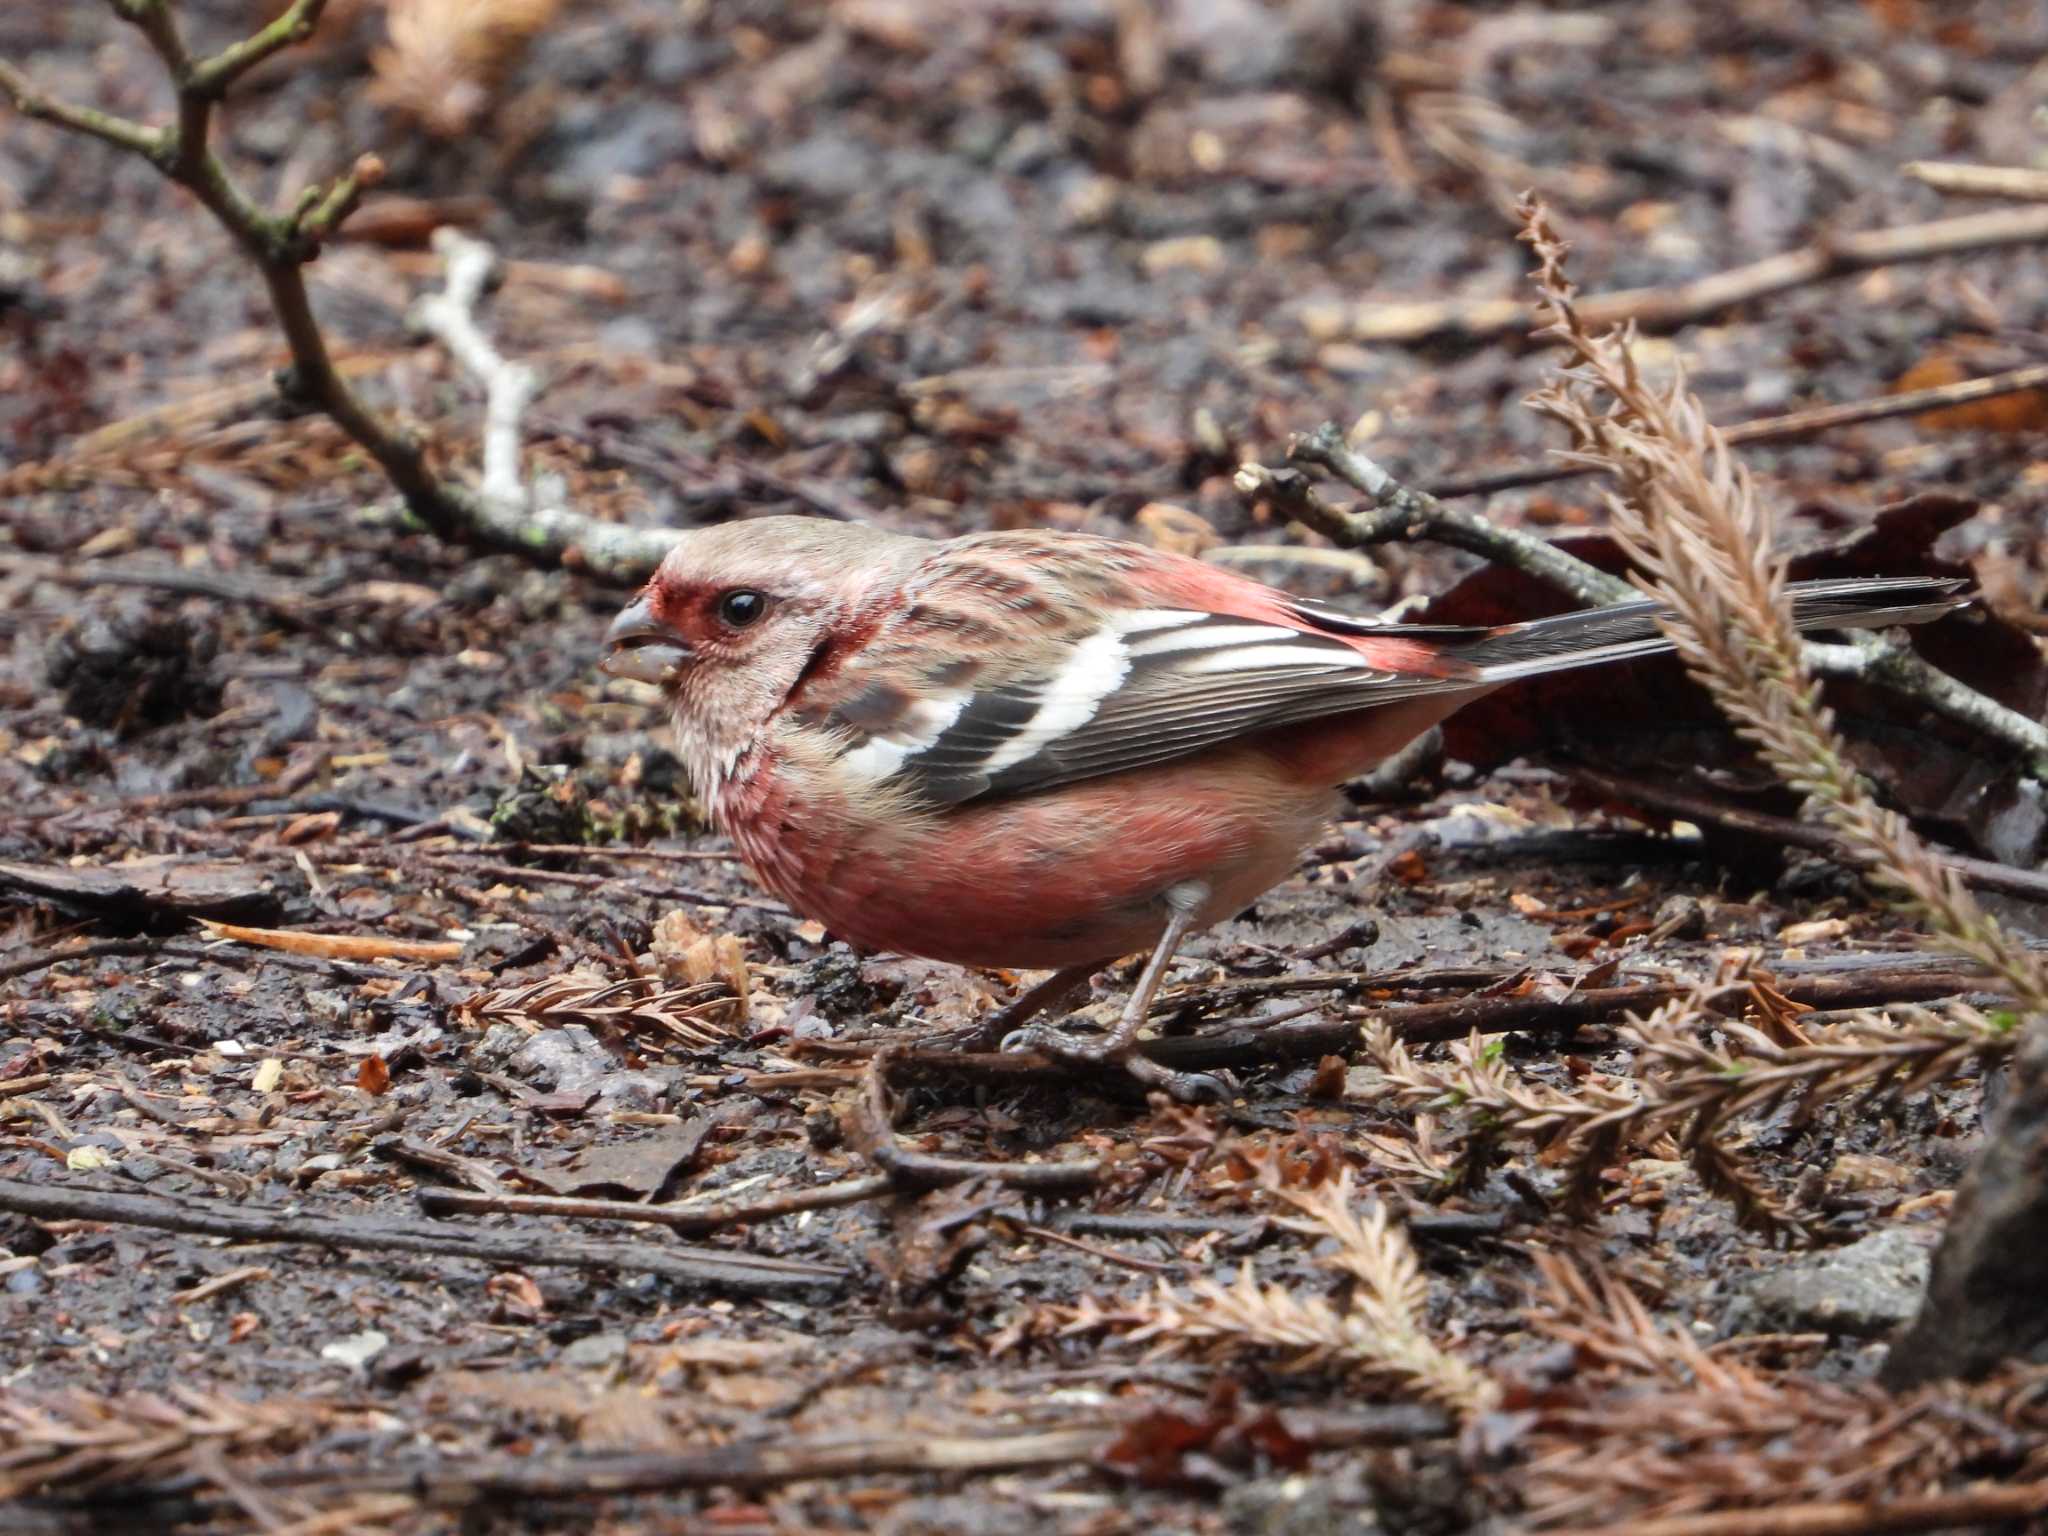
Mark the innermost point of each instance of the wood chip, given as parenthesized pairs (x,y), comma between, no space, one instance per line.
(339,946)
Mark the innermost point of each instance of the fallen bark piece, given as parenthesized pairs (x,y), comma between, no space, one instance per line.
(1983,1303)
(190,888)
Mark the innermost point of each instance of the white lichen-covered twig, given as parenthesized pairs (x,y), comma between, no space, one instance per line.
(494,516)
(450,318)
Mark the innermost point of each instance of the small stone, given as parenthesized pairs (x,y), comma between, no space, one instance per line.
(639,1091)
(1864,1291)
(1290,1506)
(328,1008)
(356,1350)
(570,1059)
(595,1352)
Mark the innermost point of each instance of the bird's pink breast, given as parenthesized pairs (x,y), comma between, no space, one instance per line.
(1071,876)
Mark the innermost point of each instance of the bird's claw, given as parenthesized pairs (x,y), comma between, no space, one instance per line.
(1184,1087)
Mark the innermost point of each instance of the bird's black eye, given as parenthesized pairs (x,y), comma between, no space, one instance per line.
(741,607)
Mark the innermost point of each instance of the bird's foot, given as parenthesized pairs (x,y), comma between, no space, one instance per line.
(991,1032)
(1118,1049)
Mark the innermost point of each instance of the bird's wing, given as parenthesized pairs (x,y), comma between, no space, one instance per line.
(1015,662)
(1018,662)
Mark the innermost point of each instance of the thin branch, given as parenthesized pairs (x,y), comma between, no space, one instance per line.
(118,131)
(1779,429)
(868,1130)
(1675,798)
(1872,659)
(212,77)
(450,318)
(1401,512)
(280,244)
(321,210)
(713,1268)
(2018,182)
(1669,308)
(677,1217)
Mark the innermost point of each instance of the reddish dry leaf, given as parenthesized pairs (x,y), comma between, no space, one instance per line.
(1409,868)
(1331,1074)
(1153,1449)
(374,1075)
(515,1291)
(2026,411)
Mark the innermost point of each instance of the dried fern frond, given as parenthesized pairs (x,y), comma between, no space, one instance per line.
(447,58)
(1688,513)
(74,1442)
(1378,1332)
(634,1006)
(1655,1425)
(1690,1090)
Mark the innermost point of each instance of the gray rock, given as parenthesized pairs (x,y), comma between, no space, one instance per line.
(597,1351)
(1291,1506)
(569,1059)
(643,1091)
(1864,1290)
(328,1008)
(500,1045)
(356,1350)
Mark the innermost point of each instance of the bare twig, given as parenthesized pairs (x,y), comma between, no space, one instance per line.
(1245,1045)
(1871,659)
(118,131)
(212,78)
(760,1463)
(1668,308)
(677,1216)
(450,318)
(1780,429)
(504,513)
(713,1268)
(1400,511)
(1676,799)
(2019,182)
(1405,513)
(868,1128)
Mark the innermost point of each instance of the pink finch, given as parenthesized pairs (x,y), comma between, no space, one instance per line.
(1048,750)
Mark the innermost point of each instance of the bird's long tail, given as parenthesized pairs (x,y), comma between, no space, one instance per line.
(1616,633)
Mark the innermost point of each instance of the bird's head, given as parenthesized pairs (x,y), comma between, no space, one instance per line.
(734,619)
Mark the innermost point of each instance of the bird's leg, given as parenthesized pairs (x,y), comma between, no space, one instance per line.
(1120,1045)
(1040,997)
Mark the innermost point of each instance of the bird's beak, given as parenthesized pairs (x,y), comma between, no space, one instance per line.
(641,647)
